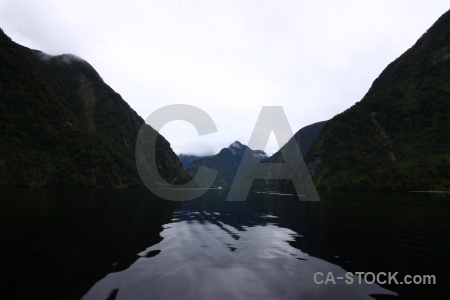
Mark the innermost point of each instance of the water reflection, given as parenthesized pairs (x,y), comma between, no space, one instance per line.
(214,249)
(56,244)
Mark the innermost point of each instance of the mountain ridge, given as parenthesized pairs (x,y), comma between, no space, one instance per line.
(397,137)
(62,125)
(226,162)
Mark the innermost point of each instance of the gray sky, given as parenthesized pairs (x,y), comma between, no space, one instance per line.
(229,58)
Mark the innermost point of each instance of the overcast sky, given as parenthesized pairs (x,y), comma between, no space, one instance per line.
(229,58)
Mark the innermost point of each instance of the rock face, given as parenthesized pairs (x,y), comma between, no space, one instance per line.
(62,125)
(398,136)
(226,162)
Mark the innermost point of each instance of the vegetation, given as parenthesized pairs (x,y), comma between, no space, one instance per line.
(304,138)
(397,137)
(62,125)
(226,162)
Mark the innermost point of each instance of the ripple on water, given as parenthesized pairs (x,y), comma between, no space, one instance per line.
(214,260)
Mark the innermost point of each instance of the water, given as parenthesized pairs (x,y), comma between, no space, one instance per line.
(127,244)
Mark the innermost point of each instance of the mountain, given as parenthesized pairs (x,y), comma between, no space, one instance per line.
(398,136)
(62,125)
(186,160)
(304,138)
(226,162)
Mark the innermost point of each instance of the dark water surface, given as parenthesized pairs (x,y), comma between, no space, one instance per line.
(128,244)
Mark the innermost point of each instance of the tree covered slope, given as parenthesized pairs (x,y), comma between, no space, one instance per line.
(62,125)
(398,136)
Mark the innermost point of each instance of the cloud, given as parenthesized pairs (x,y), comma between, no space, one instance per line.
(229,58)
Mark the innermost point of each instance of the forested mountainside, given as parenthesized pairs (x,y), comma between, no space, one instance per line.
(62,125)
(398,136)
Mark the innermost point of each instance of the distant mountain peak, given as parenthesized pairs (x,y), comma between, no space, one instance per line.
(236,144)
(237,148)
(227,162)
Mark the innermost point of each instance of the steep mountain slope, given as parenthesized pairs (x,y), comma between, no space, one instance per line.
(304,138)
(398,136)
(226,162)
(62,125)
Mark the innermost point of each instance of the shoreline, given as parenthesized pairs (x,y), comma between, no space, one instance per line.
(428,191)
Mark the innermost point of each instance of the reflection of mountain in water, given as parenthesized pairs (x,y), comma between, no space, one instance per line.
(214,249)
